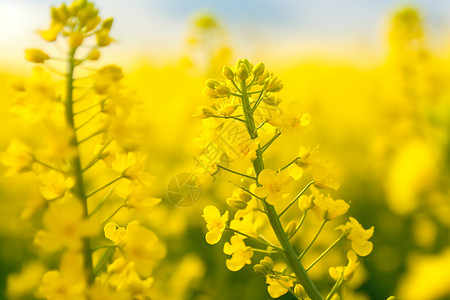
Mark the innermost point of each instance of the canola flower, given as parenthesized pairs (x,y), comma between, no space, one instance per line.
(87,118)
(245,91)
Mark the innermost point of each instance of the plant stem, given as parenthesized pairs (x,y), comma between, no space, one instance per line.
(325,252)
(237,173)
(254,239)
(104,187)
(296,198)
(258,165)
(78,188)
(299,224)
(313,240)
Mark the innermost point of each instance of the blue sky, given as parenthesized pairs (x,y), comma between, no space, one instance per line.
(253,26)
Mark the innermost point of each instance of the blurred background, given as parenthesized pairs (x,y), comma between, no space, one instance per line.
(375,76)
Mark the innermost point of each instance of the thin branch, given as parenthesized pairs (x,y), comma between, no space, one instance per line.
(296,198)
(255,239)
(313,240)
(326,251)
(264,148)
(104,187)
(97,158)
(90,136)
(289,164)
(48,166)
(237,173)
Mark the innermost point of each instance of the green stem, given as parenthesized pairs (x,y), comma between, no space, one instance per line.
(335,288)
(104,187)
(90,136)
(325,252)
(313,240)
(228,117)
(100,204)
(97,158)
(288,251)
(78,188)
(113,214)
(48,166)
(237,173)
(264,148)
(296,197)
(289,164)
(254,239)
(299,224)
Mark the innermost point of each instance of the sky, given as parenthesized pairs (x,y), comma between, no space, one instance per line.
(285,27)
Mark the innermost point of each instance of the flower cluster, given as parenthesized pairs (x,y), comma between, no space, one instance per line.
(265,195)
(88,120)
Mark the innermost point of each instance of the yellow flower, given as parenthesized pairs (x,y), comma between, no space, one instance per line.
(64,225)
(18,157)
(127,280)
(324,178)
(240,253)
(140,198)
(54,185)
(36,55)
(68,283)
(215,223)
(327,208)
(308,157)
(345,271)
(51,34)
(19,285)
(114,232)
(244,222)
(107,77)
(139,245)
(274,185)
(359,236)
(277,287)
(293,119)
(307,202)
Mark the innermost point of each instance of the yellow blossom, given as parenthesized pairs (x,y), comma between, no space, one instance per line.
(114,232)
(346,272)
(277,286)
(327,208)
(64,225)
(107,77)
(68,283)
(54,184)
(240,253)
(324,178)
(307,202)
(359,236)
(244,221)
(215,223)
(127,280)
(19,285)
(17,157)
(274,185)
(36,55)
(293,119)
(139,245)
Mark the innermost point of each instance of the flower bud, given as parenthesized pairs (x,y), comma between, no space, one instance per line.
(262,78)
(222,91)
(236,203)
(203,112)
(227,73)
(299,290)
(212,84)
(244,196)
(291,228)
(267,263)
(94,54)
(107,24)
(75,39)
(272,101)
(242,72)
(260,270)
(258,70)
(248,64)
(392,298)
(274,84)
(36,55)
